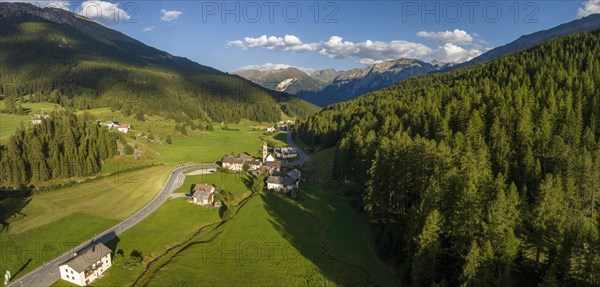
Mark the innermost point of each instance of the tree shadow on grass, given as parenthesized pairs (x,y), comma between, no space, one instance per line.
(11,204)
(304,231)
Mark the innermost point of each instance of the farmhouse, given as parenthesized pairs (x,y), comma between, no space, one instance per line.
(233,163)
(124,128)
(271,129)
(286,152)
(203,194)
(87,266)
(110,125)
(289,181)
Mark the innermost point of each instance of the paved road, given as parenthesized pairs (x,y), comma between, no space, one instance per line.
(47,274)
(304,158)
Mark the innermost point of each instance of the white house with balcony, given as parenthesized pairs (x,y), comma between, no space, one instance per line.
(86,266)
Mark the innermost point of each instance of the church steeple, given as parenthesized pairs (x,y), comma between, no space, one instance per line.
(265,151)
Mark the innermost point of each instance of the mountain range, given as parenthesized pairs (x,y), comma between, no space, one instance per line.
(343,86)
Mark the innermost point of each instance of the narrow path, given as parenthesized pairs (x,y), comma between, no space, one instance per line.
(49,273)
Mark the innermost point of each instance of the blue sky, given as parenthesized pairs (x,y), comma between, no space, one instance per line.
(339,34)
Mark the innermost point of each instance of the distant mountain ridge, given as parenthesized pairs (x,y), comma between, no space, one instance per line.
(350,84)
(589,23)
(347,85)
(290,80)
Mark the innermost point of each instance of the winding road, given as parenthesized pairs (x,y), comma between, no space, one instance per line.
(49,273)
(304,158)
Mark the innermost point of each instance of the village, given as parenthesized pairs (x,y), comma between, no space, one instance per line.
(280,175)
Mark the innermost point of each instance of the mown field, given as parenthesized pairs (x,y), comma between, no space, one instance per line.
(317,241)
(66,217)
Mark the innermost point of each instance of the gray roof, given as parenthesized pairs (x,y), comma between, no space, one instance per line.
(203,191)
(294,174)
(283,180)
(87,258)
(240,159)
(276,163)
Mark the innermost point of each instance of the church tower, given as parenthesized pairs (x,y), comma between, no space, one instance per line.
(265,151)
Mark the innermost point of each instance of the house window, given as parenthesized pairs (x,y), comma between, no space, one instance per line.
(71,271)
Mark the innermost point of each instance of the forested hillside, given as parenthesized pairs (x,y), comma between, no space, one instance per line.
(62,146)
(485,176)
(54,55)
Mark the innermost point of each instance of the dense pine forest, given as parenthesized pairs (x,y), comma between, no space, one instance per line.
(485,176)
(53,55)
(62,146)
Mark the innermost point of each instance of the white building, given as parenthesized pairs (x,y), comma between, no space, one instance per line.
(269,158)
(204,194)
(286,152)
(124,128)
(290,181)
(271,130)
(87,266)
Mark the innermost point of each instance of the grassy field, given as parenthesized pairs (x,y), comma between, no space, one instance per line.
(27,250)
(170,224)
(66,217)
(116,197)
(275,239)
(229,186)
(248,250)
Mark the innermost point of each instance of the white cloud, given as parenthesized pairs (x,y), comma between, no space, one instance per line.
(169,16)
(590,7)
(286,43)
(104,12)
(454,54)
(455,37)
(272,66)
(148,29)
(371,52)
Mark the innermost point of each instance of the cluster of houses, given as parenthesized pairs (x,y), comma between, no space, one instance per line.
(87,266)
(124,128)
(278,179)
(282,126)
(286,152)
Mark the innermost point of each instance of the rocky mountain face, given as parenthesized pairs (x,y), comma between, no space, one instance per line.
(351,84)
(290,80)
(325,76)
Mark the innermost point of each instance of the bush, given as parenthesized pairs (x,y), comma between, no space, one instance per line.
(128,150)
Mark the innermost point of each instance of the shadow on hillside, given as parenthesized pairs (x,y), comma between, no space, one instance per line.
(304,231)
(11,204)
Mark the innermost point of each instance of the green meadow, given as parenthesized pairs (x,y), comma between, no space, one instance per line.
(315,241)
(66,217)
